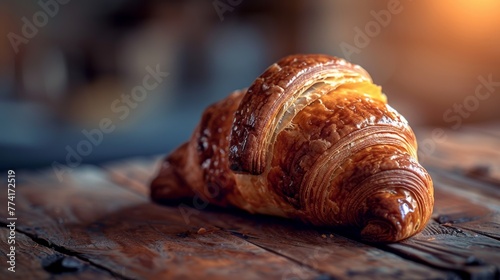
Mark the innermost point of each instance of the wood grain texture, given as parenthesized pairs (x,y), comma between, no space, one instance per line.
(465,211)
(166,246)
(471,255)
(134,174)
(320,248)
(116,229)
(49,207)
(472,151)
(35,261)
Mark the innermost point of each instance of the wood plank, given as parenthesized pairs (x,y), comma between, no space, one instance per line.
(81,198)
(465,211)
(456,208)
(472,256)
(321,248)
(134,174)
(478,191)
(472,151)
(155,242)
(446,247)
(35,261)
(95,220)
(488,226)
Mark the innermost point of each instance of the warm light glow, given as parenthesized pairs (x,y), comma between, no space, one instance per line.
(467,19)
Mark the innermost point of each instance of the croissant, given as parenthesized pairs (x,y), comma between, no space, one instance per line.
(312,139)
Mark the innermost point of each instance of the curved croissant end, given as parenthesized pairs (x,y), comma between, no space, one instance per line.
(314,139)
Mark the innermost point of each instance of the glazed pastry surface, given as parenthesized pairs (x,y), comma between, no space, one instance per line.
(312,139)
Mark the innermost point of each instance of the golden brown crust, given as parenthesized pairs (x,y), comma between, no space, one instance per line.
(271,94)
(312,139)
(170,183)
(212,145)
(321,125)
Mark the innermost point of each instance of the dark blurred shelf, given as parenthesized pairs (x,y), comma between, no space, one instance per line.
(31,139)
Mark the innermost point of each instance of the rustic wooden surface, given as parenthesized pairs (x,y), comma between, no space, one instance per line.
(98,223)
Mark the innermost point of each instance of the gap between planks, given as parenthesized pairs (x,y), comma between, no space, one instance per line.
(46,261)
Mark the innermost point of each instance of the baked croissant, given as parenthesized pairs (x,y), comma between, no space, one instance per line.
(314,139)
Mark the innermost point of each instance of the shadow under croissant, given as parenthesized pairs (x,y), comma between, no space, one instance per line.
(237,221)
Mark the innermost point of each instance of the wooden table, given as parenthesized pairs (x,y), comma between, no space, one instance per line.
(98,223)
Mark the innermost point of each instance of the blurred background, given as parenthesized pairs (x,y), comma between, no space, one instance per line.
(65,66)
